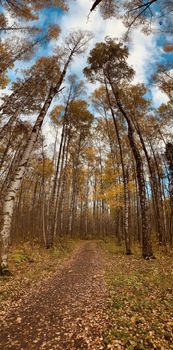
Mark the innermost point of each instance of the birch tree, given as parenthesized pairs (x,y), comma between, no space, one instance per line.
(107,62)
(75,43)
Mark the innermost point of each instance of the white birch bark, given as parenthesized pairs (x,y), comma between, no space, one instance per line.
(78,42)
(10,197)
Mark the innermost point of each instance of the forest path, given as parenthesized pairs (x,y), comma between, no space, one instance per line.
(65,312)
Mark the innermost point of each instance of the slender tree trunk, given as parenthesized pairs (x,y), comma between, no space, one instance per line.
(54,193)
(86,203)
(125,181)
(62,185)
(162,233)
(146,232)
(154,186)
(74,189)
(43,196)
(56,184)
(10,197)
(9,200)
(58,195)
(169,158)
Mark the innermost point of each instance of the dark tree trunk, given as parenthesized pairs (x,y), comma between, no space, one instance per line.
(146,232)
(125,178)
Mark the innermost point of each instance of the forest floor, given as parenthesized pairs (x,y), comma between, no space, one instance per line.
(140,300)
(98,298)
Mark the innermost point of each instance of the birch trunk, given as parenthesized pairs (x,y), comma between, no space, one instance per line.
(158,208)
(125,179)
(162,232)
(15,184)
(54,194)
(61,191)
(146,232)
(9,200)
(74,186)
(57,178)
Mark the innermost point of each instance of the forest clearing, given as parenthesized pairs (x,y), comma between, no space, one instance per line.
(86,174)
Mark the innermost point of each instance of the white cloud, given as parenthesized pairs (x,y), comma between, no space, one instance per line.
(4,92)
(143,49)
(76,18)
(143,55)
(158,96)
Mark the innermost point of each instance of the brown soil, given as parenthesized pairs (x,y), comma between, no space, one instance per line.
(65,312)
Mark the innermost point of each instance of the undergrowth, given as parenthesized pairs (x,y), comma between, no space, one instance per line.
(140,304)
(29,263)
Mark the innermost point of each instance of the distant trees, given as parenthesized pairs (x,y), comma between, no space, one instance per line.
(75,44)
(89,186)
(110,169)
(107,63)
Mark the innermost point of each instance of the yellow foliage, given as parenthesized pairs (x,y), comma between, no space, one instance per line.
(4,80)
(56,114)
(54,32)
(168,48)
(47,167)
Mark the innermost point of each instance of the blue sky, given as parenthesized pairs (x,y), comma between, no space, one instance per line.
(47,17)
(145,52)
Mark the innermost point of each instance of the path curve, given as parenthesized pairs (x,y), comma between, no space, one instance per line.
(66,312)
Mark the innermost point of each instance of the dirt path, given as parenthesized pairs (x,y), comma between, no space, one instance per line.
(66,311)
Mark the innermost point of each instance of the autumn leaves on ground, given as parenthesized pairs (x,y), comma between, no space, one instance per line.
(87,295)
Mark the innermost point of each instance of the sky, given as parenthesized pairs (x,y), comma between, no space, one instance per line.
(145,52)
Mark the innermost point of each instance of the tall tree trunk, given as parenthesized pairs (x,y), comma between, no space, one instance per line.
(125,178)
(146,232)
(154,186)
(75,185)
(43,196)
(9,200)
(61,193)
(162,235)
(54,192)
(169,158)
(10,197)
(56,183)
(59,189)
